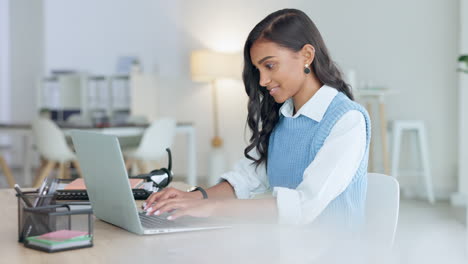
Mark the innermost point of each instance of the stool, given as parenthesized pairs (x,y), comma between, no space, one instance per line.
(6,170)
(400,126)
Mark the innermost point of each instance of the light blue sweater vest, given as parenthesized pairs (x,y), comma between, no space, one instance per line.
(293,145)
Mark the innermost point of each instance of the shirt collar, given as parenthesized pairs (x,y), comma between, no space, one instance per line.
(315,108)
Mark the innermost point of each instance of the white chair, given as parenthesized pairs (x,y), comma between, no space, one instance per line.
(400,126)
(382,205)
(157,137)
(7,172)
(52,146)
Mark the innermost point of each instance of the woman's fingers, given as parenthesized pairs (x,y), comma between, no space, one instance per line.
(162,195)
(195,209)
(168,200)
(156,207)
(153,197)
(166,206)
(172,193)
(183,207)
(178,213)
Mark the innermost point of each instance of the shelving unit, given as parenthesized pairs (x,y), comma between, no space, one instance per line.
(92,96)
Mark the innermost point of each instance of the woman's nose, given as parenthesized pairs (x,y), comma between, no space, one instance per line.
(264,80)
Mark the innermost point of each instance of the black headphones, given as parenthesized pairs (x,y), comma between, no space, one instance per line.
(164,183)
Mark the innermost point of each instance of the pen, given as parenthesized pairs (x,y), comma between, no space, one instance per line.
(21,194)
(26,231)
(43,185)
(41,191)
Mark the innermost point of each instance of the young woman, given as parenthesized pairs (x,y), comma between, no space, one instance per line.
(309,142)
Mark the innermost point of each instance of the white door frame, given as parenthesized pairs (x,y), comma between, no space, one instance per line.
(5,87)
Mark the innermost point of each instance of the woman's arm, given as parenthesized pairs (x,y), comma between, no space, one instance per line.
(262,210)
(222,190)
(242,182)
(246,179)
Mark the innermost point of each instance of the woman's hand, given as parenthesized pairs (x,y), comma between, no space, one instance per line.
(185,207)
(167,194)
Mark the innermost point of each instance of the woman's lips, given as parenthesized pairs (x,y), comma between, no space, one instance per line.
(273,91)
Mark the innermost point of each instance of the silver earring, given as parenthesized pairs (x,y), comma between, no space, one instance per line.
(306,69)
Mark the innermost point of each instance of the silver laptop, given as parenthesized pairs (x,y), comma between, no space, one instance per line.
(109,190)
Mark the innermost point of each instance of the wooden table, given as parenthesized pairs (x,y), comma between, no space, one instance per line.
(253,243)
(122,131)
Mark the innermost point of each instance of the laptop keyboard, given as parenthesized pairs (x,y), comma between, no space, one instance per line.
(158,221)
(138,194)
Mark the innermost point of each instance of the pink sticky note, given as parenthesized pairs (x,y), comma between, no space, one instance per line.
(61,235)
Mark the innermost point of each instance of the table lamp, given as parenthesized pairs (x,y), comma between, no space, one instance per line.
(210,66)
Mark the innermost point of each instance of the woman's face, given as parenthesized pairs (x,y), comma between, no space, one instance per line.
(281,70)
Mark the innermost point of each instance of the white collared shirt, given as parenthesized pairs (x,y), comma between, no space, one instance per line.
(327,175)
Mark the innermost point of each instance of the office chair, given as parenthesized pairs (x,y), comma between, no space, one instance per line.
(382,205)
(52,146)
(156,138)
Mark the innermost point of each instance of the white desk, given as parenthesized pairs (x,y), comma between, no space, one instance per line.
(24,130)
(243,243)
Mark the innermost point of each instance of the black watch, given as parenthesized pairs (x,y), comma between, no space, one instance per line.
(197,188)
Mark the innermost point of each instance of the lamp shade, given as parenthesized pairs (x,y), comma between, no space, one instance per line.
(208,65)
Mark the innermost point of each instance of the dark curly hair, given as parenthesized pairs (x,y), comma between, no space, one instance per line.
(292,29)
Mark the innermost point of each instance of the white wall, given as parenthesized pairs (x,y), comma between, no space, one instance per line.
(21,58)
(90,35)
(463,106)
(409,46)
(26,51)
(4,61)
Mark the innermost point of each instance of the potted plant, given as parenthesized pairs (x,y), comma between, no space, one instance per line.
(463,59)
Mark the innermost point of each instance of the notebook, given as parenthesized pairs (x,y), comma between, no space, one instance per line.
(62,235)
(61,239)
(79,184)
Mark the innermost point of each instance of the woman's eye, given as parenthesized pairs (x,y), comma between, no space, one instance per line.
(269,66)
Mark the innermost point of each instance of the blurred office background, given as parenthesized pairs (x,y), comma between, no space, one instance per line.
(407,47)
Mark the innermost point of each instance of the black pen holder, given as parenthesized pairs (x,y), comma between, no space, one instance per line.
(46,215)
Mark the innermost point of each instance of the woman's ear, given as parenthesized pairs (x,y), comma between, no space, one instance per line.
(308,53)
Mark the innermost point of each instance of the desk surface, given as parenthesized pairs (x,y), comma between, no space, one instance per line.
(258,244)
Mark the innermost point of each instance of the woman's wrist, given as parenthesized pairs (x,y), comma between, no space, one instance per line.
(196,195)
